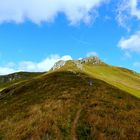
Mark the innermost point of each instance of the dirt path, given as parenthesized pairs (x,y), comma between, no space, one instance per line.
(74,125)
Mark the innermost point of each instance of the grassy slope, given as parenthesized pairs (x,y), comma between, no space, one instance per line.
(122,78)
(23,77)
(54,105)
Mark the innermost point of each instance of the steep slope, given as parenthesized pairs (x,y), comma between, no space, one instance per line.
(122,78)
(68,104)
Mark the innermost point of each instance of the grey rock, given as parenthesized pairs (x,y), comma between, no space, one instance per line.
(58,65)
(91,59)
(78,65)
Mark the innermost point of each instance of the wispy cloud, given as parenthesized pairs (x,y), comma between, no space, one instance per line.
(92,54)
(31,66)
(127,55)
(136,64)
(126,10)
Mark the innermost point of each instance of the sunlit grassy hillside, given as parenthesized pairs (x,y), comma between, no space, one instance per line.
(124,79)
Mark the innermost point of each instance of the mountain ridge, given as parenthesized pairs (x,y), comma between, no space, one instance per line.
(122,78)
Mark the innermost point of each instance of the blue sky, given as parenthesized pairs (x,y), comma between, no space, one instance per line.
(33,35)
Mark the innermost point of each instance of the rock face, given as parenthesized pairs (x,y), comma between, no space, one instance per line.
(10,77)
(91,60)
(58,65)
(16,76)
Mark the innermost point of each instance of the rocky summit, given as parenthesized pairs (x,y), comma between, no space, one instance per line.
(58,65)
(91,60)
(78,63)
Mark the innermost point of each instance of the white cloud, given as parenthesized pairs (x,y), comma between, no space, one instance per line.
(134,8)
(46,10)
(122,14)
(6,70)
(92,54)
(126,10)
(30,66)
(132,43)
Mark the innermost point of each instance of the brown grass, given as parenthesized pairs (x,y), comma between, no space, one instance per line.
(45,108)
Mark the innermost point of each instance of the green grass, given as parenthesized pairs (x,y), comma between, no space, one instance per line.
(45,107)
(123,79)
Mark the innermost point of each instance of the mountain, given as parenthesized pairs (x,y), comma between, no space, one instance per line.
(78,99)
(122,78)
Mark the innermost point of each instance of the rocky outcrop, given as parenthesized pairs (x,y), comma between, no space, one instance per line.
(9,78)
(58,65)
(91,60)
(78,63)
(16,76)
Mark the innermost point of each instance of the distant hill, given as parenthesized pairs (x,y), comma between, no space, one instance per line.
(10,79)
(78,99)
